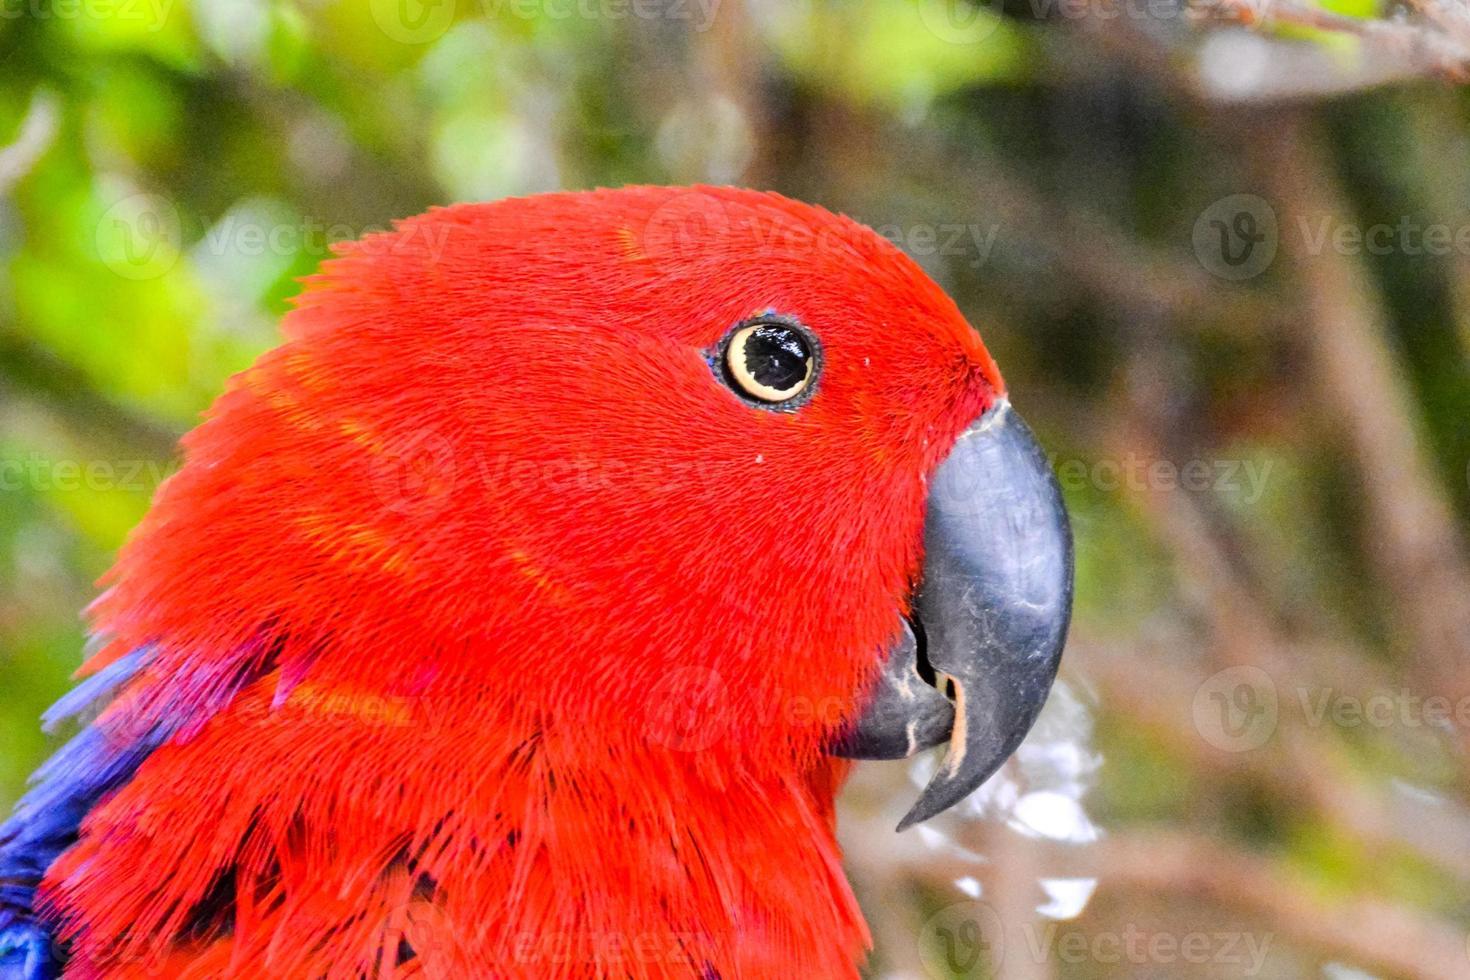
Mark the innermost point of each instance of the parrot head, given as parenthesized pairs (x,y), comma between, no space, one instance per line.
(577,516)
(706,466)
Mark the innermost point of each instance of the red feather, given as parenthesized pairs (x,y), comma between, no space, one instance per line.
(513,637)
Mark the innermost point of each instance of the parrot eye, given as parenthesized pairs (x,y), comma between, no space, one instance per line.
(771,361)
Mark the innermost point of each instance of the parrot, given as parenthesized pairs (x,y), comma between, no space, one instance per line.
(523,612)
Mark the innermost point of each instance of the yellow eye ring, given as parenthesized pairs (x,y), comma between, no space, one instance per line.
(771,361)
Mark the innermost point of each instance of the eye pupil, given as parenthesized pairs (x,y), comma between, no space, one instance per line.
(771,362)
(777,357)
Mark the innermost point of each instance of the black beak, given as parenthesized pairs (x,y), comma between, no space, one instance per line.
(988,620)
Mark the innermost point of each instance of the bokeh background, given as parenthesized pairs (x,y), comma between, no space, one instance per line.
(1226,268)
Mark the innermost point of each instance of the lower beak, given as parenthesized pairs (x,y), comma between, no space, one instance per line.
(976,661)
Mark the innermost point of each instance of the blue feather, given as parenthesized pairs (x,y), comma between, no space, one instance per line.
(91,691)
(26,954)
(47,819)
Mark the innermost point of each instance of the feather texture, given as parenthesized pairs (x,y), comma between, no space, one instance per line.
(490,634)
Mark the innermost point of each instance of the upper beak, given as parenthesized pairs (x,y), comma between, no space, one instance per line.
(989,617)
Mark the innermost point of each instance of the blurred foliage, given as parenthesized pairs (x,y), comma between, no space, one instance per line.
(190,159)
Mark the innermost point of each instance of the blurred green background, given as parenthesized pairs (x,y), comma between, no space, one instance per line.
(1227,274)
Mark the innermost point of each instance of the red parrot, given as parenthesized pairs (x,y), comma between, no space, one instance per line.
(518,615)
